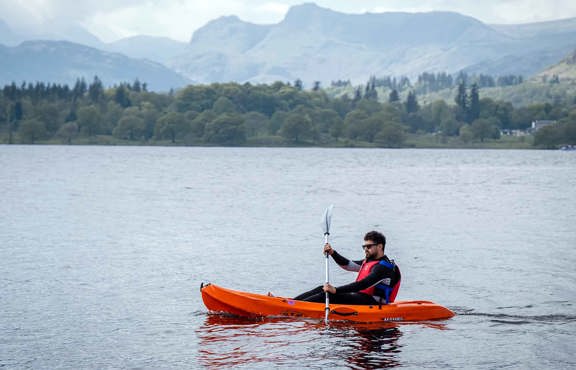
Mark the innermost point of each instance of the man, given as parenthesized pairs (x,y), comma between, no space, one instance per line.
(377,282)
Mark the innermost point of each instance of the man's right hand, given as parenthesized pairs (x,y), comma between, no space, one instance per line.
(328,249)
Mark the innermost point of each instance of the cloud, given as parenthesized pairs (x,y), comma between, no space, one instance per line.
(178,19)
(34,13)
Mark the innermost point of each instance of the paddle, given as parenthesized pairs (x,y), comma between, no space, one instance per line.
(326,224)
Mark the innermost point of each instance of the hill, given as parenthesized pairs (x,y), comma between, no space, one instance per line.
(565,70)
(64,62)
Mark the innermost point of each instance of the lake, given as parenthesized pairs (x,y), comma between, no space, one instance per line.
(103,250)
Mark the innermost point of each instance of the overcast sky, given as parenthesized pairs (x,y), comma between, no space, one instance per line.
(177,19)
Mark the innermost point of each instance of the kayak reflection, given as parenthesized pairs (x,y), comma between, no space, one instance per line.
(229,341)
(371,346)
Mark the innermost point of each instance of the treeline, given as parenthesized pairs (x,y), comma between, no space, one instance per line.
(429,82)
(246,114)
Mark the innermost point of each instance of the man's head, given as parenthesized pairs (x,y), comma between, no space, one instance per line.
(374,244)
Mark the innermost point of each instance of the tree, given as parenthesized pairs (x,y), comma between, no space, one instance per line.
(256,124)
(371,126)
(277,121)
(357,95)
(130,127)
(50,115)
(296,128)
(353,123)
(393,97)
(198,126)
(473,111)
(224,105)
(548,137)
(32,130)
(370,92)
(96,90)
(412,103)
(196,98)
(461,101)
(67,132)
(466,134)
(89,119)
(326,119)
(18,113)
(169,125)
(226,129)
(392,135)
(150,115)
(111,117)
(561,133)
(298,84)
(483,129)
(121,96)
(79,89)
(438,116)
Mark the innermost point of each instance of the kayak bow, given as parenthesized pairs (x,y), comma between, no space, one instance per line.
(218,299)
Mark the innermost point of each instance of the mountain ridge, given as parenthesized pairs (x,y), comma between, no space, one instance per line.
(64,62)
(312,43)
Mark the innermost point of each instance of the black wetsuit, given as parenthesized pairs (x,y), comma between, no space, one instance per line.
(350,293)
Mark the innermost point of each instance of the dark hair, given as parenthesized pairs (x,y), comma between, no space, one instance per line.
(376,237)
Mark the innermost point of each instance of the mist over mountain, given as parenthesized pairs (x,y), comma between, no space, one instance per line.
(58,30)
(159,49)
(7,35)
(311,43)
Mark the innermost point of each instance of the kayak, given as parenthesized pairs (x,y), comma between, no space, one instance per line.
(223,300)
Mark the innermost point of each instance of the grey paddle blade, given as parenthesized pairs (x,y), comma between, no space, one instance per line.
(327,219)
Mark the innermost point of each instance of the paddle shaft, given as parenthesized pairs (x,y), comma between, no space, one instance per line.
(327,308)
(326,221)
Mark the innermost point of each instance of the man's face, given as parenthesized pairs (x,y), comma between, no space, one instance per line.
(370,248)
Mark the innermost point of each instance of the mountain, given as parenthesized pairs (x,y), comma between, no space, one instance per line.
(159,49)
(564,70)
(530,30)
(311,43)
(64,62)
(217,52)
(317,44)
(534,47)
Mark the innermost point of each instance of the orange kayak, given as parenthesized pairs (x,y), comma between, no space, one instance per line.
(218,299)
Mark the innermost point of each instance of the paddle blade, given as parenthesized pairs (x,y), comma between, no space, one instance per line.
(327,219)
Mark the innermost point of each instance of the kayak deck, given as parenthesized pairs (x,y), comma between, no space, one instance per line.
(218,299)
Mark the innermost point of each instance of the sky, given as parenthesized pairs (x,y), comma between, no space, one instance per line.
(111,20)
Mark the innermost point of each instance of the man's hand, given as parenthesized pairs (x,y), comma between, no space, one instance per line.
(329,288)
(328,249)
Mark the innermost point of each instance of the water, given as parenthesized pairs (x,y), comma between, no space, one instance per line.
(103,249)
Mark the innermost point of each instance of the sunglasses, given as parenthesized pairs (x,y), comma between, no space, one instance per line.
(367,246)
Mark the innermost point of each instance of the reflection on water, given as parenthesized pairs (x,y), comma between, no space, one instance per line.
(370,347)
(228,341)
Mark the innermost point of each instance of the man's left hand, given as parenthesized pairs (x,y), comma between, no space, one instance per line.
(329,288)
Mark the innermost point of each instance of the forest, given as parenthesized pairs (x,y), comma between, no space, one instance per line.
(385,112)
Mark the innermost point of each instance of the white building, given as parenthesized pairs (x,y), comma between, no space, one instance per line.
(538,124)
